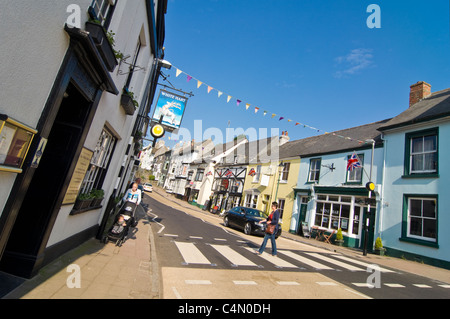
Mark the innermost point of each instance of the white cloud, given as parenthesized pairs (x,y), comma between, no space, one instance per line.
(354,62)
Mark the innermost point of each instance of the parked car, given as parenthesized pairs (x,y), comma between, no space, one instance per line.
(247,219)
(148,187)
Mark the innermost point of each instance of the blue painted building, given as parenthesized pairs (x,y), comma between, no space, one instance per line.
(330,196)
(414,220)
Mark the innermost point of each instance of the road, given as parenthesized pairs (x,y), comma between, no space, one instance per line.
(201,259)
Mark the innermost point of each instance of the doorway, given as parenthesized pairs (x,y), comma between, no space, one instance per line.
(24,253)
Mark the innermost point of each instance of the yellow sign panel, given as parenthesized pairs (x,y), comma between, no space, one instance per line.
(78,176)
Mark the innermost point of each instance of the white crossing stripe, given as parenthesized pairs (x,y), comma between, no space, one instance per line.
(233,256)
(326,283)
(274,260)
(421,286)
(363,284)
(191,254)
(361,263)
(305,260)
(394,285)
(243,282)
(288,283)
(335,262)
(198,282)
(444,286)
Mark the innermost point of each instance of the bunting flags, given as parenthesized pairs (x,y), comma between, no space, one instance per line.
(247,105)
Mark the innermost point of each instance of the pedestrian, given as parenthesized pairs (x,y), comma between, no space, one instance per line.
(140,187)
(272,220)
(133,194)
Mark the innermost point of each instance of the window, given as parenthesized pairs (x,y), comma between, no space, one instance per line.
(99,163)
(285,172)
(251,201)
(199,175)
(422,218)
(281,203)
(355,175)
(133,64)
(314,170)
(334,212)
(421,154)
(102,10)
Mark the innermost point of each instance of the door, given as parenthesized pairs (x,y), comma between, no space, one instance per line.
(43,198)
(302,216)
(368,217)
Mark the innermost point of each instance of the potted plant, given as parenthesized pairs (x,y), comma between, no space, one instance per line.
(379,249)
(103,43)
(128,102)
(97,197)
(339,238)
(83,201)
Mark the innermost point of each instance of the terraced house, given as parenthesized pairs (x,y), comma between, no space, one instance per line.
(415,220)
(329,194)
(69,125)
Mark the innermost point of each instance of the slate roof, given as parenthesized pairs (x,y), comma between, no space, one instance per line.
(330,143)
(435,106)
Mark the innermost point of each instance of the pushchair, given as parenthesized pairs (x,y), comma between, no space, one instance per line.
(123,220)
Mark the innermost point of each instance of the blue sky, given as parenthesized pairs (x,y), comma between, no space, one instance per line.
(314,62)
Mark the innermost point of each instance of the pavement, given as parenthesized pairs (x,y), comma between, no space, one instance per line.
(95,270)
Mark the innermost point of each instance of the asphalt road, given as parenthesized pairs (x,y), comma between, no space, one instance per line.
(201,259)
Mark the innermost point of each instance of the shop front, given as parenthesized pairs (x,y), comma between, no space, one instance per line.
(227,188)
(346,208)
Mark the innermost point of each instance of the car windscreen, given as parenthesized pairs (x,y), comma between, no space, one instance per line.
(256,213)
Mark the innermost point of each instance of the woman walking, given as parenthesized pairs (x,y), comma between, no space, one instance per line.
(272,224)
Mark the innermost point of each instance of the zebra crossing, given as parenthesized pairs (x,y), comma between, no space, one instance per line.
(244,256)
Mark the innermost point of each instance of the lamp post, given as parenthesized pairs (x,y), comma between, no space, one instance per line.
(370,186)
(280,170)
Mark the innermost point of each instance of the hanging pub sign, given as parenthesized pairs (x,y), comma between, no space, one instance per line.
(169,110)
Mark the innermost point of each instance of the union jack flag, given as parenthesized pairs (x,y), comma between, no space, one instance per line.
(228,173)
(353,162)
(252,172)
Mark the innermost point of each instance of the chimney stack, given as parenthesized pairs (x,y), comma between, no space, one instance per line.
(284,138)
(418,92)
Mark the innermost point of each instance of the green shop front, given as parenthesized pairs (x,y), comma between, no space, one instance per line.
(331,208)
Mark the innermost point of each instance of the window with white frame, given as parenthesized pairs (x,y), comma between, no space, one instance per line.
(422,218)
(314,170)
(281,203)
(99,163)
(355,175)
(251,201)
(423,153)
(334,212)
(102,10)
(285,172)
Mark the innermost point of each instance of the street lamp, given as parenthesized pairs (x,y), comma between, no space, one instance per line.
(370,186)
(280,170)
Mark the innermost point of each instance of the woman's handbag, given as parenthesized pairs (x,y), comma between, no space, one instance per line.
(270,229)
